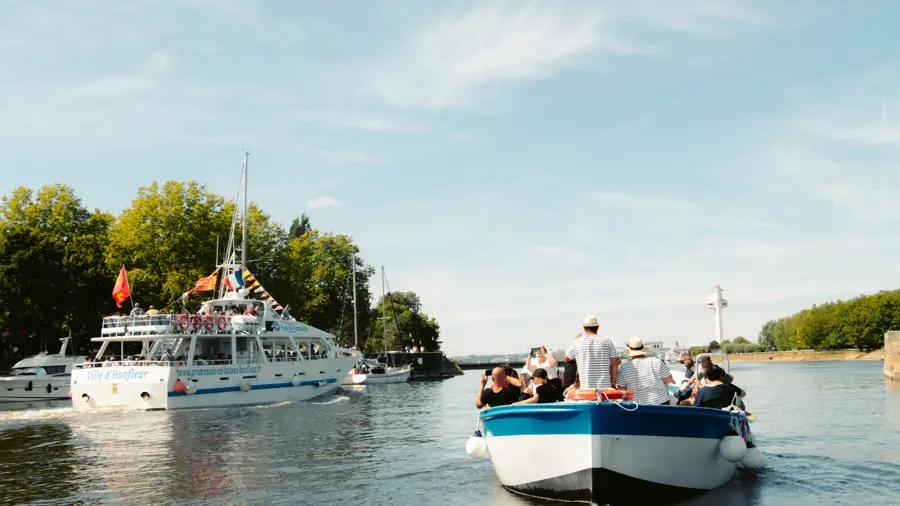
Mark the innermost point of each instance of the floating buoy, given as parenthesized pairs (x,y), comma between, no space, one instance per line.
(753,458)
(476,446)
(179,386)
(245,386)
(732,448)
(295,381)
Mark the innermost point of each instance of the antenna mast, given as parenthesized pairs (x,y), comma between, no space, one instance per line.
(244,216)
(355,328)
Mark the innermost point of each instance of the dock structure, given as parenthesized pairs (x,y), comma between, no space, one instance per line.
(892,355)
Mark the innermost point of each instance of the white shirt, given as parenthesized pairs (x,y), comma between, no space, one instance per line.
(545,365)
(644,377)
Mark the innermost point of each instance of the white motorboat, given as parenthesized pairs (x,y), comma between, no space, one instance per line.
(44,376)
(234,351)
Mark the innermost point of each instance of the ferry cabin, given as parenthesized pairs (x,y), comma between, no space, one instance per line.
(253,355)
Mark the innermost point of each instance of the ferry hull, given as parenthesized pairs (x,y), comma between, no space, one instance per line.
(608,455)
(162,387)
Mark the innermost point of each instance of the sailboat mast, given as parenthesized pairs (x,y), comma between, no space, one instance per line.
(244,217)
(355,328)
(383,309)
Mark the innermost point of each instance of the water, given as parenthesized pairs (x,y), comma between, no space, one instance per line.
(830,433)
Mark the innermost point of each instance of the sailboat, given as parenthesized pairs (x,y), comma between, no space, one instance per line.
(234,351)
(370,371)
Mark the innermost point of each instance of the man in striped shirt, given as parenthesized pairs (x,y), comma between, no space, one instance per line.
(648,377)
(596,356)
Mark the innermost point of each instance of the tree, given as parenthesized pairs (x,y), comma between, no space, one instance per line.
(52,273)
(766,338)
(406,324)
(299,226)
(316,277)
(713,345)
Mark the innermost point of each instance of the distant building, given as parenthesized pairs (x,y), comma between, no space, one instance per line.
(656,348)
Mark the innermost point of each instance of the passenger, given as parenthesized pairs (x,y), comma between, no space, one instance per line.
(501,393)
(647,377)
(137,310)
(717,393)
(543,360)
(576,384)
(544,392)
(686,392)
(597,358)
(152,311)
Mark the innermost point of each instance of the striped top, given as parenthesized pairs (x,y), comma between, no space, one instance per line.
(644,377)
(592,354)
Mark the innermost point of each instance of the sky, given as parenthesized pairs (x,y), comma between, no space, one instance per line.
(520,165)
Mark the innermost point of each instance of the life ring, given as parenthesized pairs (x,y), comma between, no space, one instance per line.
(182,321)
(208,322)
(221,323)
(196,321)
(607,394)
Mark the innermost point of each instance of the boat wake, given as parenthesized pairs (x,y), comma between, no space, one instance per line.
(334,400)
(25,416)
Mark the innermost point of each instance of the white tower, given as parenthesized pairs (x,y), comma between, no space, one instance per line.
(717,304)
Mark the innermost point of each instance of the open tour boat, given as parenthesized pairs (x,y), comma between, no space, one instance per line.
(614,451)
(252,356)
(44,376)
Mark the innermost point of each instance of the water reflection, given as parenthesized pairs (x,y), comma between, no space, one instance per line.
(26,474)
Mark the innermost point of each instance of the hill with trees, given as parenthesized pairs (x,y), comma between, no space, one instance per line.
(59,260)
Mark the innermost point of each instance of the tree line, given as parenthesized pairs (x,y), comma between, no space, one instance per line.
(59,261)
(858,323)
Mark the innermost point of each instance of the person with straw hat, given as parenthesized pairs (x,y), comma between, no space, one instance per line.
(596,356)
(647,377)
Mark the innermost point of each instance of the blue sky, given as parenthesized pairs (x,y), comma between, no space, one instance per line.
(520,165)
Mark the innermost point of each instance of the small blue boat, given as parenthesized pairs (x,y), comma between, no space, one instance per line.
(614,452)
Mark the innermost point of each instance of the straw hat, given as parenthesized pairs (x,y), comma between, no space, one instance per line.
(591,321)
(636,347)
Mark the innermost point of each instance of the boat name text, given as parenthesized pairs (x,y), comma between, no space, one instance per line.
(116,375)
(218,371)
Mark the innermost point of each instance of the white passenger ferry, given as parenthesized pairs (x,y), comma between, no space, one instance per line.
(209,359)
(234,351)
(44,376)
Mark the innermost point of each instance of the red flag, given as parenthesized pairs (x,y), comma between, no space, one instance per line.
(121,290)
(208,283)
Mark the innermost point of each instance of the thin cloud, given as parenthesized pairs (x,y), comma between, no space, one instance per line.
(320,202)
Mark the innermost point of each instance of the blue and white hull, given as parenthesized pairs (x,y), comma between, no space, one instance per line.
(608,453)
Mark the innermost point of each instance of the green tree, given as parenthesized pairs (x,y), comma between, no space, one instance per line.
(299,227)
(52,275)
(766,338)
(406,323)
(316,280)
(713,345)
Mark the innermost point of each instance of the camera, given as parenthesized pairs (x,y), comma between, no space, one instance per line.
(487,372)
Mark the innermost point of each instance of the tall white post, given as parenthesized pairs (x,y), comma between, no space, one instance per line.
(244,217)
(355,328)
(717,304)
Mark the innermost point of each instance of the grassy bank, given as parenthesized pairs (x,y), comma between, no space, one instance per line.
(806,356)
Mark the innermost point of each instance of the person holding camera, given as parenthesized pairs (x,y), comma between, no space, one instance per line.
(501,392)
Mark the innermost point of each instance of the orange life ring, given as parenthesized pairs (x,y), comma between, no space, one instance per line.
(182,321)
(208,322)
(196,321)
(607,394)
(221,323)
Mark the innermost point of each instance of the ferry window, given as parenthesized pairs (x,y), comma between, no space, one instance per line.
(241,344)
(55,369)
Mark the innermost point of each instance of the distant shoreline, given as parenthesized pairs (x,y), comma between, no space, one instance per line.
(807,356)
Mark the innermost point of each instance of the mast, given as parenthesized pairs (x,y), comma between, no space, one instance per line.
(244,216)
(355,328)
(383,310)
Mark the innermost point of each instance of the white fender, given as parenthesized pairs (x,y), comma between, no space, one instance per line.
(476,447)
(732,448)
(295,381)
(189,388)
(753,459)
(245,385)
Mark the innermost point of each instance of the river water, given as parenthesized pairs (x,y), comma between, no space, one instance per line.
(830,433)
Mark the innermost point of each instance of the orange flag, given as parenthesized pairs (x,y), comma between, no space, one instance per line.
(121,291)
(208,283)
